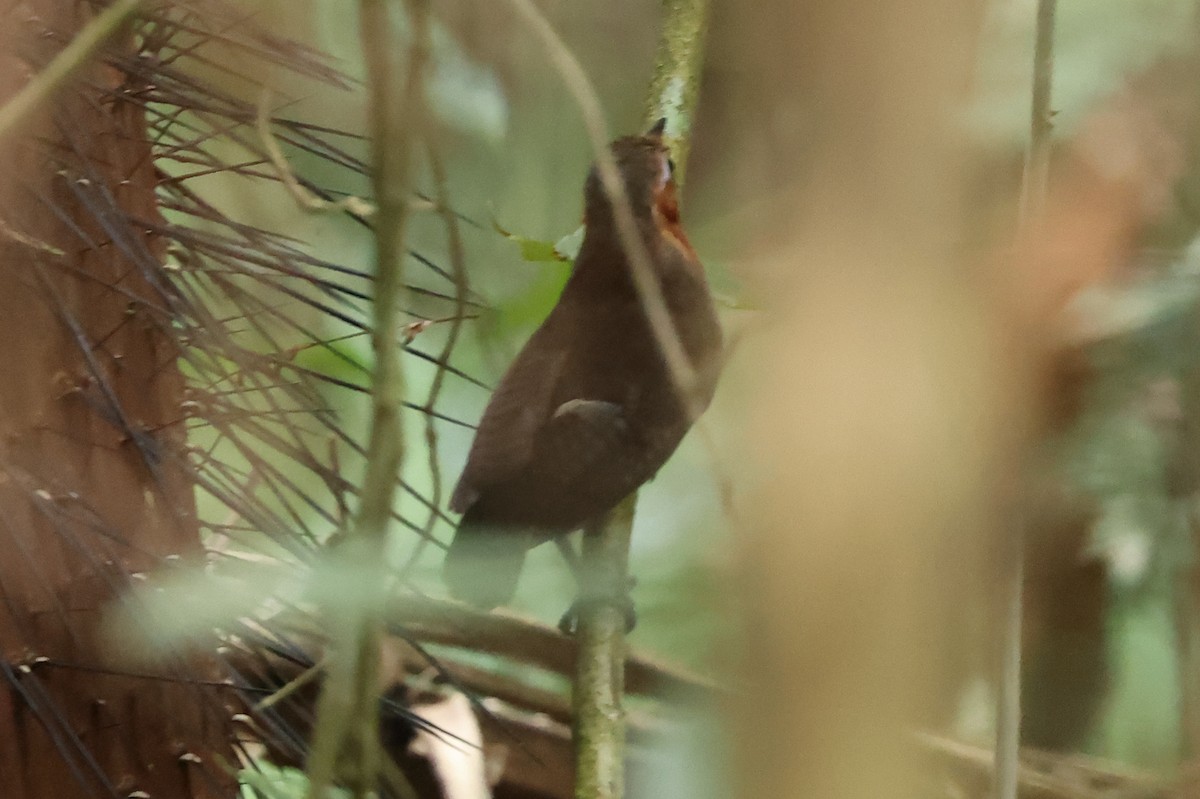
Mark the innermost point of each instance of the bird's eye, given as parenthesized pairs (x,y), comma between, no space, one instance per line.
(666,171)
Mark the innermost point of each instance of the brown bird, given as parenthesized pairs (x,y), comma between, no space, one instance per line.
(588,411)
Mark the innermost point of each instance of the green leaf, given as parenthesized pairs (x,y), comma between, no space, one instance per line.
(275,782)
(568,246)
(533,250)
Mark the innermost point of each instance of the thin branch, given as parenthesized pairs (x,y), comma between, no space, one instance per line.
(597,698)
(458,263)
(348,710)
(392,146)
(304,198)
(1006,778)
(530,642)
(1037,157)
(1006,782)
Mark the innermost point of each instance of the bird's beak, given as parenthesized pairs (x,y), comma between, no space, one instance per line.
(656,132)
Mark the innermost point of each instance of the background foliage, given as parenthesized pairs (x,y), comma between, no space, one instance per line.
(518,152)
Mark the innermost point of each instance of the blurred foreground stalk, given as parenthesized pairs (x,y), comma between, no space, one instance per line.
(346,731)
(885,414)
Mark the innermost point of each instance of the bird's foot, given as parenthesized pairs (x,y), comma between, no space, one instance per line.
(570,622)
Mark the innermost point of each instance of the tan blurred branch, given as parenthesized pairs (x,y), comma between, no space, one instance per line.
(879,363)
(529,641)
(1045,775)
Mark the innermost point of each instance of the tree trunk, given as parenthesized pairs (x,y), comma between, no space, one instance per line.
(94,484)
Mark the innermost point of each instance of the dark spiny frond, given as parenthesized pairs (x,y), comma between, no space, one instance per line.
(258,328)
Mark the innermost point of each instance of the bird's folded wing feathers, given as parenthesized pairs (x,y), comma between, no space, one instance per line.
(519,406)
(581,437)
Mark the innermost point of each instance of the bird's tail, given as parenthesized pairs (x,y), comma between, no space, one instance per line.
(484,562)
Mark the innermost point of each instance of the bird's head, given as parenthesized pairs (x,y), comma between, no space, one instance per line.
(645,166)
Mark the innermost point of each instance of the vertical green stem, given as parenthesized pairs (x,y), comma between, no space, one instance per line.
(391,154)
(1186,588)
(599,676)
(599,718)
(1008,699)
(676,84)
(1033,200)
(1041,123)
(346,738)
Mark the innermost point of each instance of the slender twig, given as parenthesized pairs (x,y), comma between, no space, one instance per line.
(458,265)
(1005,779)
(1033,199)
(302,195)
(673,94)
(64,66)
(291,687)
(348,714)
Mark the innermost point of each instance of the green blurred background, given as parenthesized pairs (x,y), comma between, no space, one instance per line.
(517,154)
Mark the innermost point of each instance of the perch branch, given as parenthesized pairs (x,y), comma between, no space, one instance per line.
(458,265)
(528,641)
(675,87)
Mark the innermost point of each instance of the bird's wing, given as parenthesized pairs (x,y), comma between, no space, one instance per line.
(584,437)
(519,406)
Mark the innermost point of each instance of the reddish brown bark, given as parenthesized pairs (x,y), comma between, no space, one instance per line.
(92,484)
